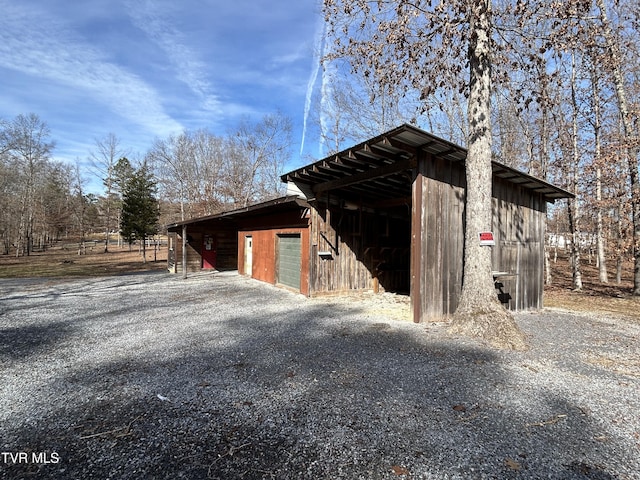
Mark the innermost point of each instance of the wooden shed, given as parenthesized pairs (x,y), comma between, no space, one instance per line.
(388,215)
(268,241)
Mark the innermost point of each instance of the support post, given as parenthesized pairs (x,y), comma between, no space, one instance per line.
(184,251)
(416,242)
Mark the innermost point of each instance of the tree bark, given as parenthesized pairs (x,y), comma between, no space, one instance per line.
(479,312)
(573,204)
(597,127)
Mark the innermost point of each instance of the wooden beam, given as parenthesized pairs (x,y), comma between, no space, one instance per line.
(394,142)
(369,174)
(415,257)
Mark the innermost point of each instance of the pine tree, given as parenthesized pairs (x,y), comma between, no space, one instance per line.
(140,208)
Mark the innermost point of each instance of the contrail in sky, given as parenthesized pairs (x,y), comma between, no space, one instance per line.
(317,55)
(326,103)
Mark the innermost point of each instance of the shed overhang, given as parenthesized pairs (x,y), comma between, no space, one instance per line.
(382,167)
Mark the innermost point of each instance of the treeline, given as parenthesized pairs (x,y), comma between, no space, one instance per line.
(190,174)
(202,173)
(42,200)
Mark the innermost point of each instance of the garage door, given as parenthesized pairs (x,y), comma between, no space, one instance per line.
(289,260)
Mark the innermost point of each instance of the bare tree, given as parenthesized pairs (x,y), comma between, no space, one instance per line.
(262,148)
(412,45)
(208,157)
(574,172)
(30,150)
(586,28)
(630,129)
(206,173)
(55,202)
(103,160)
(173,162)
(597,161)
(81,204)
(354,108)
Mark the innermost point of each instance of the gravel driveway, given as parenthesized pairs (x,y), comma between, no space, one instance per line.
(152,376)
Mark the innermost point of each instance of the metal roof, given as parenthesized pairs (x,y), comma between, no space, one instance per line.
(275,205)
(381,168)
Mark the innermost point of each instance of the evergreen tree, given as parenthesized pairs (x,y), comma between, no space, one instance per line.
(140,208)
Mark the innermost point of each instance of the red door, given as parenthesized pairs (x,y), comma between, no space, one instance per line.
(208,252)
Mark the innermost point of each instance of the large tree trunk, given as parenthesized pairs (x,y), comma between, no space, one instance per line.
(479,312)
(573,206)
(597,128)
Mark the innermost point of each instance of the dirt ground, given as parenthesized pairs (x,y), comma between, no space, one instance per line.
(595,295)
(63,260)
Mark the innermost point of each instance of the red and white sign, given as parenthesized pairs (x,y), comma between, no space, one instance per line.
(486,238)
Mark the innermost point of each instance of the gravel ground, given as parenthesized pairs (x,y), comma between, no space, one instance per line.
(219,376)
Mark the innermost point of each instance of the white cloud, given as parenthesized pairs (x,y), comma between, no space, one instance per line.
(43,47)
(190,69)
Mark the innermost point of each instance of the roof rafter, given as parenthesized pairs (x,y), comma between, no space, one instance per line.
(370,174)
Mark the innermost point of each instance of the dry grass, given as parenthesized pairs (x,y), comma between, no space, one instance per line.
(595,296)
(58,262)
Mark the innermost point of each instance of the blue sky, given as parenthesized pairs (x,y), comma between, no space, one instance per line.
(145,69)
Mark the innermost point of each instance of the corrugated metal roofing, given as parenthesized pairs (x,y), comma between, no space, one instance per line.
(381,168)
(277,204)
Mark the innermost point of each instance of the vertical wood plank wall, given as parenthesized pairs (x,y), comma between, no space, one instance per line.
(358,250)
(194,260)
(439,275)
(519,218)
(226,249)
(337,254)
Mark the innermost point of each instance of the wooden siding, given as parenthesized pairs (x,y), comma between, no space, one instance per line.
(439,192)
(226,249)
(358,250)
(519,217)
(263,254)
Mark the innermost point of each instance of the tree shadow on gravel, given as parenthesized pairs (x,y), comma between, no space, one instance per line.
(313,392)
(25,340)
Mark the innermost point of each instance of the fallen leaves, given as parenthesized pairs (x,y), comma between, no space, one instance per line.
(512,464)
(115,433)
(471,413)
(399,470)
(550,421)
(620,363)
